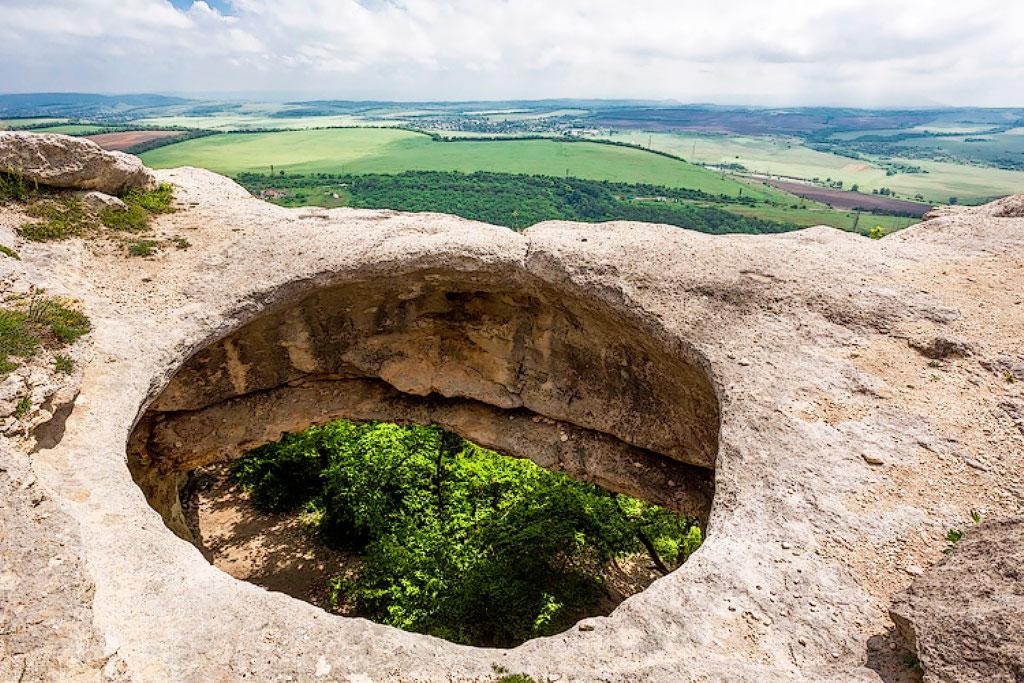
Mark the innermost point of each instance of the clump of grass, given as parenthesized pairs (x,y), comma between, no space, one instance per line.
(142,248)
(45,321)
(15,187)
(876,233)
(7,251)
(63,364)
(24,405)
(66,324)
(59,217)
(16,339)
(153,201)
(140,206)
(131,219)
(506,677)
(181,243)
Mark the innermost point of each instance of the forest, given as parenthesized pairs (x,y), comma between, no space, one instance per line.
(512,200)
(455,540)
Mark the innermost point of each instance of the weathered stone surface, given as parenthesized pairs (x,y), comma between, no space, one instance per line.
(774,363)
(72,163)
(97,201)
(46,596)
(965,616)
(1009,207)
(1006,367)
(942,347)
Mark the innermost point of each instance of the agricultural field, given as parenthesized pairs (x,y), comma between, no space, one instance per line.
(12,124)
(128,139)
(852,201)
(375,150)
(231,122)
(788,157)
(926,156)
(811,214)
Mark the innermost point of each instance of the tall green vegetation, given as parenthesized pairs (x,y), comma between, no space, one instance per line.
(36,322)
(515,201)
(457,541)
(59,215)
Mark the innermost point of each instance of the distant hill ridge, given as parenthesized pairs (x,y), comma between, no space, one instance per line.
(79,104)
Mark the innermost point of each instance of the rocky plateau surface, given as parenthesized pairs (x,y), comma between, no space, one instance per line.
(831,405)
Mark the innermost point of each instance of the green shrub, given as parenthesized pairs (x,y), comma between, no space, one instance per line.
(16,339)
(181,243)
(14,187)
(60,217)
(139,208)
(63,364)
(24,405)
(153,201)
(505,677)
(66,324)
(131,219)
(7,251)
(142,248)
(457,541)
(45,321)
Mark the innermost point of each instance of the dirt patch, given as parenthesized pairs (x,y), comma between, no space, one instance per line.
(841,199)
(275,551)
(130,138)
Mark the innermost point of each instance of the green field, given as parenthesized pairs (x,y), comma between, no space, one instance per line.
(787,157)
(374,150)
(21,123)
(816,214)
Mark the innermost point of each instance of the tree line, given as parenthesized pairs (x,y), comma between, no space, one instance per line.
(515,201)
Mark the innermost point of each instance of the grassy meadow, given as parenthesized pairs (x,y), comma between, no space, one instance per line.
(812,214)
(787,156)
(377,150)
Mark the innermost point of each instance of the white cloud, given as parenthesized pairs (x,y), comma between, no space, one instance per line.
(866,52)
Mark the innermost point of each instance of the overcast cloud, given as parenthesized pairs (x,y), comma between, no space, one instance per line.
(855,52)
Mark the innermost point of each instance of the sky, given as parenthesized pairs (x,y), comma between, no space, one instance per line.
(870,53)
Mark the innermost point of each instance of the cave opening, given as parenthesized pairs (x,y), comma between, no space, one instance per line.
(610,410)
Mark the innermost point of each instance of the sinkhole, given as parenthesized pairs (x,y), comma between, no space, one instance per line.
(430,384)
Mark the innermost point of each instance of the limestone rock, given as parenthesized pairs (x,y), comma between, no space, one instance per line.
(942,346)
(1007,367)
(1009,207)
(965,616)
(12,389)
(623,338)
(46,618)
(72,163)
(98,201)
